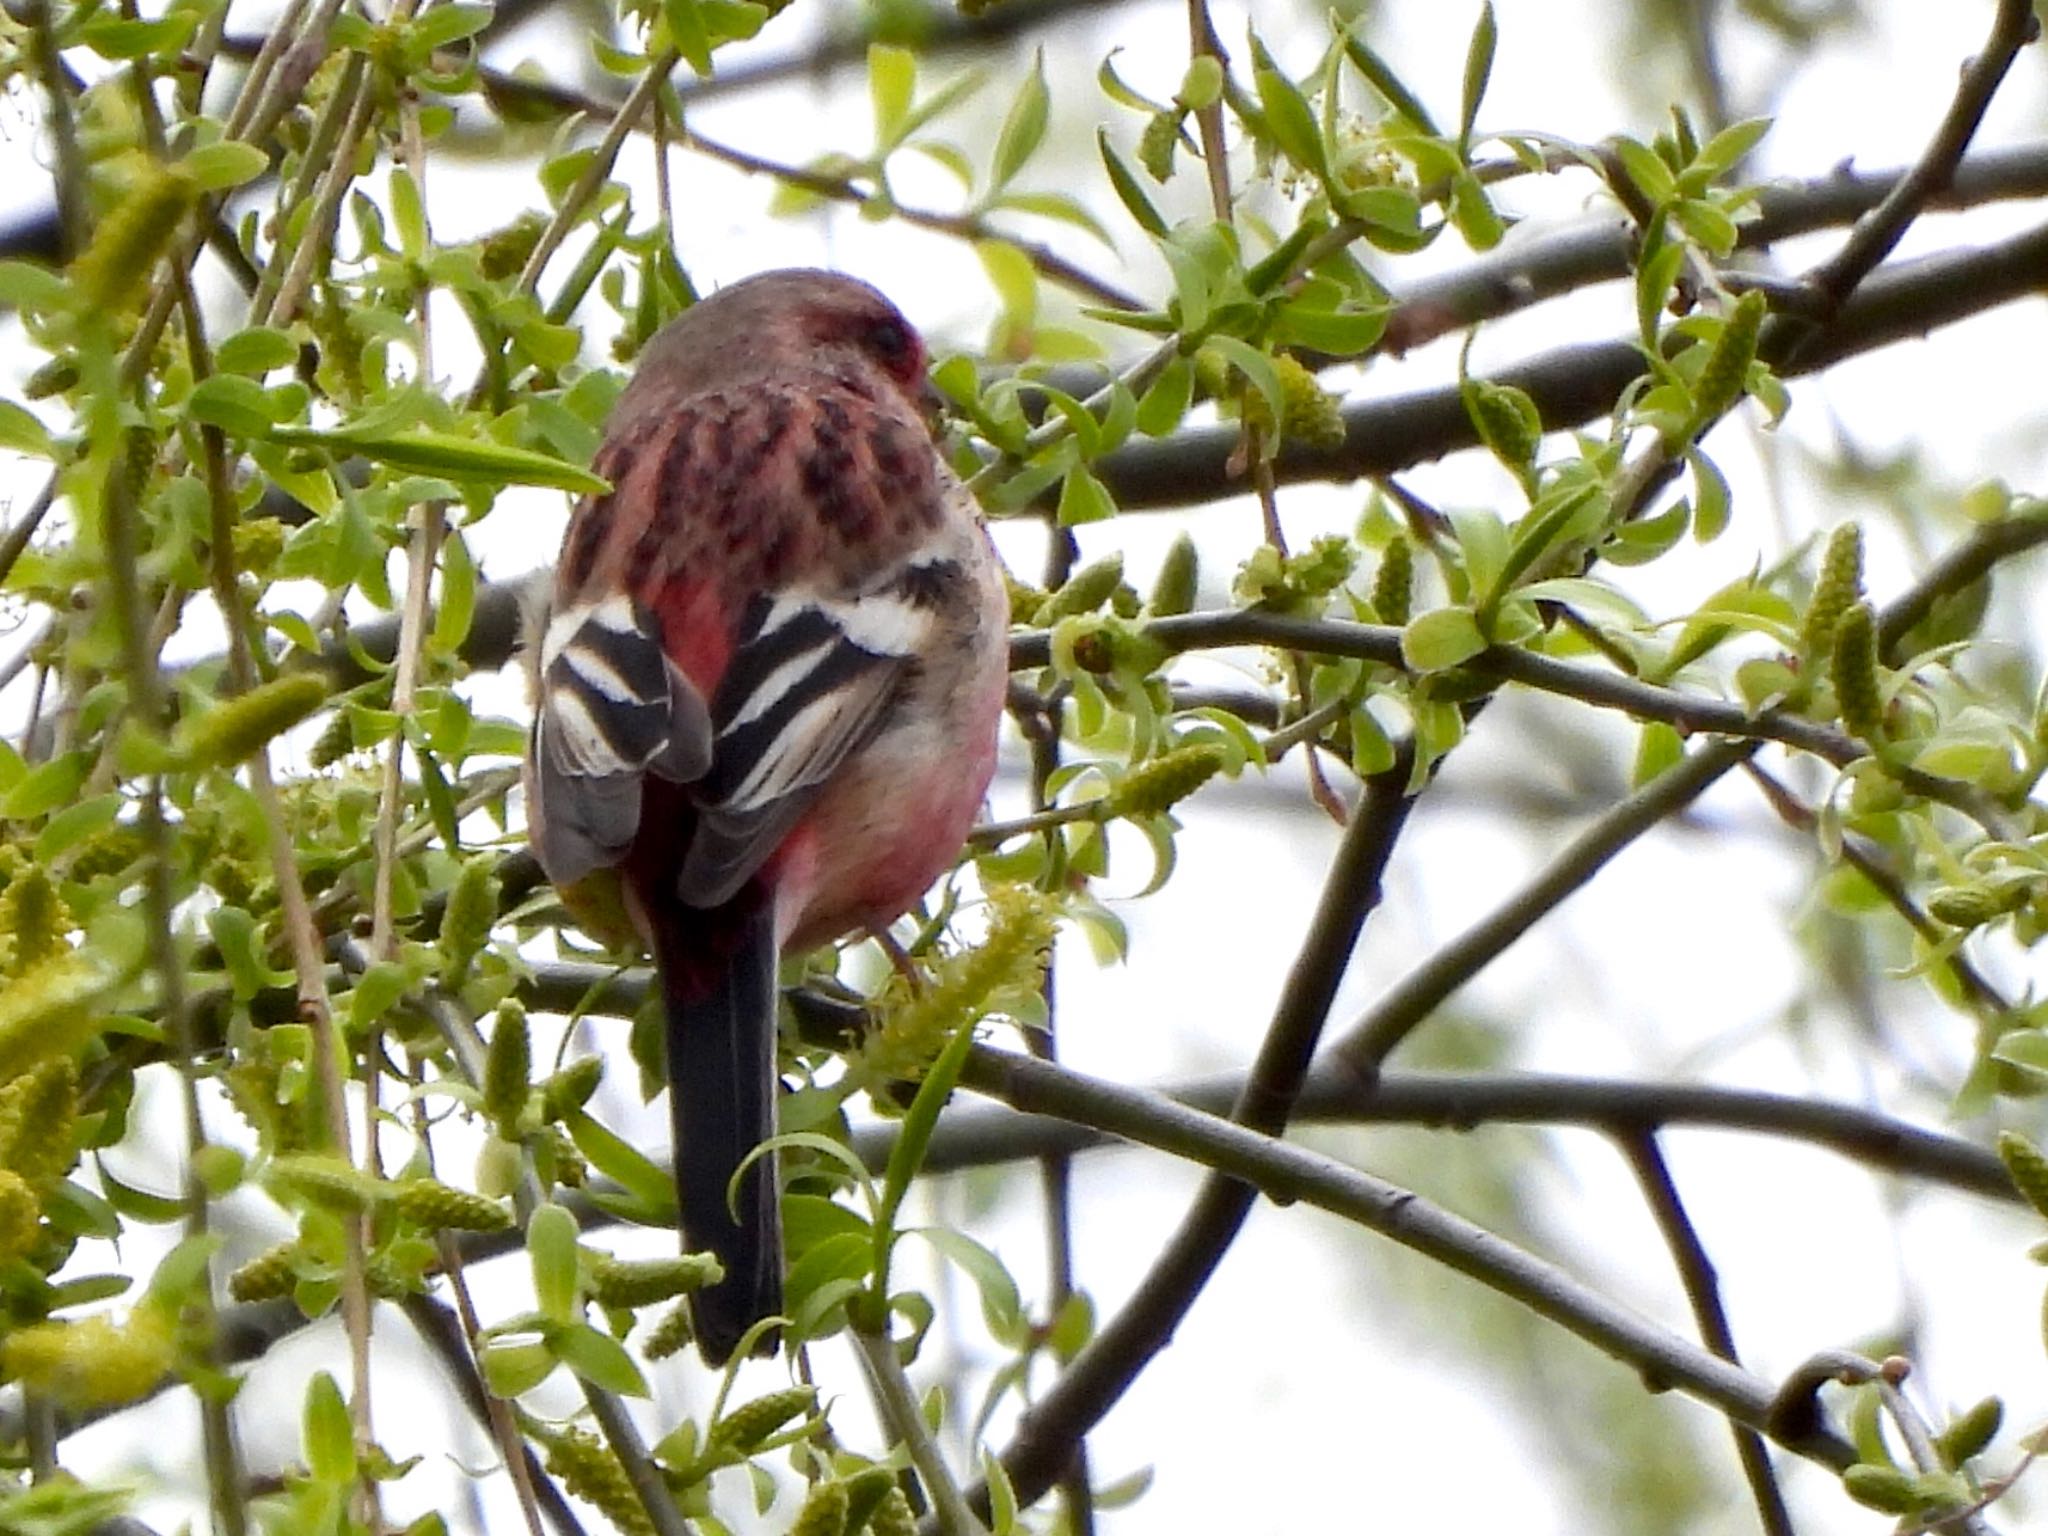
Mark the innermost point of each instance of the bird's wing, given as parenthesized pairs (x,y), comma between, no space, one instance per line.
(812,679)
(613,709)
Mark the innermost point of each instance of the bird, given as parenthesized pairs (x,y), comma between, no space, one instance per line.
(769,685)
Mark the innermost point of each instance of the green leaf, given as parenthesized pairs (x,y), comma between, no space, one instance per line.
(1024,126)
(599,1359)
(915,1135)
(458,595)
(686,29)
(1384,80)
(1166,402)
(234,404)
(1001,1308)
(649,1184)
(75,823)
(229,163)
(1711,492)
(330,1436)
(1727,148)
(1441,638)
(551,1248)
(24,285)
(46,787)
(1288,118)
(892,81)
(256,351)
(377,990)
(1129,189)
(511,1369)
(1478,70)
(444,453)
(1084,499)
(446,24)
(22,432)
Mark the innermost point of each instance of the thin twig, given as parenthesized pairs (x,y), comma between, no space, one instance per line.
(1703,1291)
(904,1416)
(1103,1371)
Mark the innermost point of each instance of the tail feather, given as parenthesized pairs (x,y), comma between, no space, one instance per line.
(722,1077)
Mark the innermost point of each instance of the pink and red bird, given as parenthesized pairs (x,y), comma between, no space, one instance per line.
(769,686)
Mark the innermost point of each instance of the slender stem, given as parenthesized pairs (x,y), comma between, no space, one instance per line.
(1288,1172)
(1103,1371)
(124,543)
(899,1409)
(1703,1291)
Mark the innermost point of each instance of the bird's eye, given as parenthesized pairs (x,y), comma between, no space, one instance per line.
(892,343)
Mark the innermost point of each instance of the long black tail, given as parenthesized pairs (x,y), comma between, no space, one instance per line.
(722,1077)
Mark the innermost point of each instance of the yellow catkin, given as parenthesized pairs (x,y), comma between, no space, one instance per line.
(437,1207)
(2026,1167)
(94,1362)
(1021,923)
(1882,1488)
(1393,584)
(116,266)
(1853,670)
(1309,412)
(1725,373)
(271,1274)
(324,1181)
(238,728)
(570,1088)
(1506,421)
(39,1119)
(1165,781)
(824,1512)
(21,1215)
(893,1516)
(616,1282)
(503,252)
(334,743)
(472,909)
(1973,905)
(34,916)
(745,1427)
(508,1067)
(48,1011)
(670,1336)
(593,1474)
(1835,589)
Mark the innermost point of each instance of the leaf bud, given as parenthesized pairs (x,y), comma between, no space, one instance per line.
(2026,1167)
(1085,591)
(1970,1431)
(1174,590)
